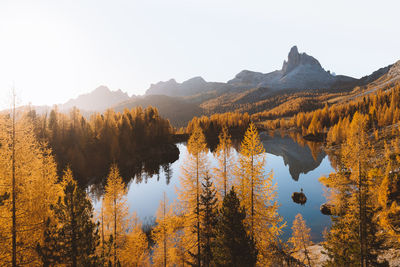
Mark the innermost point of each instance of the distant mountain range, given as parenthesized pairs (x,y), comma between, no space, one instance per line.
(300,71)
(248,91)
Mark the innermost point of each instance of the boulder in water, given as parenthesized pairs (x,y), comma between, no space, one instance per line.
(299,197)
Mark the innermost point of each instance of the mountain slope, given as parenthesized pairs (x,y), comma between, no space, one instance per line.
(176,109)
(98,100)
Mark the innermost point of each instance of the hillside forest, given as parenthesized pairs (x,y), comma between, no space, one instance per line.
(225,215)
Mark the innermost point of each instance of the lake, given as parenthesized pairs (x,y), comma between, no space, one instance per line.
(295,167)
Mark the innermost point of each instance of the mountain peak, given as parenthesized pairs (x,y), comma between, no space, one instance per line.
(293,50)
(296,59)
(101,89)
(97,100)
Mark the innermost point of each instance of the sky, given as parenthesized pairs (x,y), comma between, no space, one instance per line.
(51,51)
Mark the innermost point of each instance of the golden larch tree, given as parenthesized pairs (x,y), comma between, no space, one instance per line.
(135,251)
(389,212)
(301,239)
(224,157)
(193,170)
(116,212)
(257,194)
(28,179)
(162,234)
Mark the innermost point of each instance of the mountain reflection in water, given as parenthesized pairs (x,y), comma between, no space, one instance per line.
(299,157)
(295,165)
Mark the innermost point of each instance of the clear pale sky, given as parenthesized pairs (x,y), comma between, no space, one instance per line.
(56,50)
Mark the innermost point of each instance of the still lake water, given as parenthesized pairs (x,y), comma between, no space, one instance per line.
(293,165)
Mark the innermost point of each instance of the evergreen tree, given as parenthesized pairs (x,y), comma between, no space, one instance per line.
(73,238)
(233,246)
(209,219)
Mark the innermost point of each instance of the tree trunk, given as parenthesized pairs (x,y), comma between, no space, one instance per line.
(198,210)
(13,190)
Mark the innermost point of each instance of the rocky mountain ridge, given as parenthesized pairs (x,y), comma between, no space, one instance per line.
(300,71)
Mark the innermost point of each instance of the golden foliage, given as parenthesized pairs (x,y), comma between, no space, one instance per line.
(223,172)
(301,238)
(116,213)
(257,194)
(35,190)
(194,169)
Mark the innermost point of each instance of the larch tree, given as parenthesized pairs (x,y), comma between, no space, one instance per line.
(301,238)
(353,237)
(162,234)
(194,169)
(135,251)
(389,212)
(28,185)
(116,213)
(178,250)
(71,236)
(224,157)
(257,194)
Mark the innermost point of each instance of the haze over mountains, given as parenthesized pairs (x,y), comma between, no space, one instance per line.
(248,91)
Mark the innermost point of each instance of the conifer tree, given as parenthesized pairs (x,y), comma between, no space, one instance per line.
(223,155)
(194,169)
(72,237)
(135,251)
(28,179)
(178,250)
(233,246)
(209,217)
(162,235)
(389,212)
(116,214)
(301,239)
(353,236)
(257,194)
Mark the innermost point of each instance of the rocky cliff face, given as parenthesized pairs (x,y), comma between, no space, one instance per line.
(295,59)
(300,71)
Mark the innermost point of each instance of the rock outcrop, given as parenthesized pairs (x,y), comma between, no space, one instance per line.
(300,71)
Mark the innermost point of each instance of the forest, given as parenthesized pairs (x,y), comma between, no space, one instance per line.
(137,140)
(225,214)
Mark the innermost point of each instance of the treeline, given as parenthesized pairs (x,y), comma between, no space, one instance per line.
(381,108)
(212,126)
(135,139)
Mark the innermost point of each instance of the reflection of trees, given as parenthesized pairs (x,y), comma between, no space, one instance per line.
(167,172)
(141,173)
